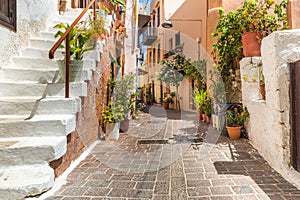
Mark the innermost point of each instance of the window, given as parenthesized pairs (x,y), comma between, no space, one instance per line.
(153,21)
(171,44)
(158,53)
(154,55)
(8,15)
(150,58)
(158,16)
(177,39)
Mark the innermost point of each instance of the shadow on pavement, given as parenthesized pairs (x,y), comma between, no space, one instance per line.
(248,162)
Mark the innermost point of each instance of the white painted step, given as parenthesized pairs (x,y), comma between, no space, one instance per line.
(42,63)
(31,150)
(52,105)
(38,125)
(42,43)
(40,53)
(27,180)
(39,75)
(41,90)
(47,35)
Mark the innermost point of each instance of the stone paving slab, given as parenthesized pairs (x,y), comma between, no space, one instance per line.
(216,168)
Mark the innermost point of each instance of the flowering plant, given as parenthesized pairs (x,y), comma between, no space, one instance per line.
(237,116)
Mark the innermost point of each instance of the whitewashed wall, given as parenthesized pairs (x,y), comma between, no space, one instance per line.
(269,124)
(31,17)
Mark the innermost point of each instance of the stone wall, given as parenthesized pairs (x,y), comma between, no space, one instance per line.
(32,17)
(89,120)
(269,123)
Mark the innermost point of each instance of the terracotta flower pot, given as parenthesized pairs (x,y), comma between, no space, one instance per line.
(166,105)
(234,132)
(207,119)
(203,116)
(251,43)
(200,116)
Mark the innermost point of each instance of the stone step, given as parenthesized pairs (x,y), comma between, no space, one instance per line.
(42,43)
(41,90)
(38,125)
(42,63)
(47,35)
(17,182)
(31,150)
(41,53)
(44,76)
(27,106)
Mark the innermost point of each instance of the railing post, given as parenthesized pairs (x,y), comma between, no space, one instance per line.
(67,88)
(94,8)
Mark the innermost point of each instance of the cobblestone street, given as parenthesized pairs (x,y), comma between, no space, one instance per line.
(170,157)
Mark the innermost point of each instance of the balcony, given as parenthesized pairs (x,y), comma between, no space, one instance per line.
(150,36)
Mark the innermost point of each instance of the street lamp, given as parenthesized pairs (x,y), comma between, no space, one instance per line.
(168,24)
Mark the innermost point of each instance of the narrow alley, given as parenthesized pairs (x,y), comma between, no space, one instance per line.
(164,156)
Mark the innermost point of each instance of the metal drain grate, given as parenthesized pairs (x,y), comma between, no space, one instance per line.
(153,141)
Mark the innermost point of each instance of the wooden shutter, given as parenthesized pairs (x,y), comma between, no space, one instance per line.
(8,13)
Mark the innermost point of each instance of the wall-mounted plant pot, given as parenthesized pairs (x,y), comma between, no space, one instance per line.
(112,131)
(75,70)
(251,44)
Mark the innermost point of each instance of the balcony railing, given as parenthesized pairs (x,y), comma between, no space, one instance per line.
(150,36)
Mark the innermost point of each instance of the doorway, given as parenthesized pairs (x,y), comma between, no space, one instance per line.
(295,114)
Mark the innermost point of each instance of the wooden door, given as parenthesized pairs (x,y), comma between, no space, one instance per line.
(295,114)
(8,13)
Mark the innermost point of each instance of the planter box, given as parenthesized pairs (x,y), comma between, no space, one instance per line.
(218,121)
(112,131)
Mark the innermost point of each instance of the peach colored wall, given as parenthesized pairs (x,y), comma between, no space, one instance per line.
(191,9)
(294,14)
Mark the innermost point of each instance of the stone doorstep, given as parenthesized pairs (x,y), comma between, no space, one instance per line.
(34,149)
(26,180)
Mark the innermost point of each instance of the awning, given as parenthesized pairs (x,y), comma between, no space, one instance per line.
(143,20)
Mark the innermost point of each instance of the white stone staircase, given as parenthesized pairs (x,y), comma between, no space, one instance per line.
(35,118)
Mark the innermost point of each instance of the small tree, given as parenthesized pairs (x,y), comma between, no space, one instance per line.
(170,74)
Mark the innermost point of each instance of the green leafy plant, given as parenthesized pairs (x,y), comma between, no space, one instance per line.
(237,116)
(169,100)
(79,37)
(122,92)
(98,28)
(261,78)
(253,15)
(113,113)
(199,99)
(207,106)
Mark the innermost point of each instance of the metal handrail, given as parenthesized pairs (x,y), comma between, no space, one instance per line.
(65,36)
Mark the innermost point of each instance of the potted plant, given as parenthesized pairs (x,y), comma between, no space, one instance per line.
(199,99)
(112,115)
(207,107)
(98,27)
(235,121)
(254,16)
(79,38)
(167,101)
(149,98)
(122,94)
